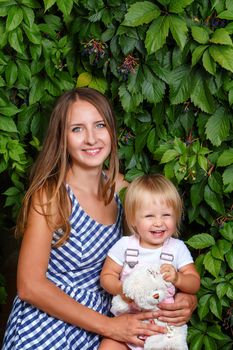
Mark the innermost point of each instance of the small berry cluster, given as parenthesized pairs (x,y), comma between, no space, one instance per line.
(96,51)
(125,136)
(128,66)
(218,23)
(228,321)
(214,22)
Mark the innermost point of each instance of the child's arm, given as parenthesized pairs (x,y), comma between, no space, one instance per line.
(110,277)
(187,279)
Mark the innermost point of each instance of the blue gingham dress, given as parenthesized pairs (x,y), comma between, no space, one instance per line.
(75,268)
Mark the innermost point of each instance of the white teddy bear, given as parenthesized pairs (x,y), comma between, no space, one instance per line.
(146,287)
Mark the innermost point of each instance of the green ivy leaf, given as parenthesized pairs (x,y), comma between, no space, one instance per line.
(214,200)
(203,162)
(33,34)
(178,6)
(141,12)
(221,36)
(178,29)
(7,124)
(203,306)
(157,34)
(228,179)
(15,38)
(132,174)
(226,15)
(216,308)
(226,158)
(48,4)
(65,6)
(218,127)
(179,85)
(212,265)
(126,98)
(28,15)
(229,259)
(99,84)
(141,140)
(84,79)
(197,341)
(200,34)
(230,96)
(215,182)
(11,73)
(201,241)
(9,110)
(209,343)
(152,140)
(24,119)
(216,333)
(197,53)
(24,73)
(223,56)
(169,155)
(221,290)
(196,193)
(36,90)
(200,95)
(153,90)
(14,18)
(227,231)
(208,63)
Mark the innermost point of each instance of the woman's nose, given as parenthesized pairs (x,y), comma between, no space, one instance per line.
(90,137)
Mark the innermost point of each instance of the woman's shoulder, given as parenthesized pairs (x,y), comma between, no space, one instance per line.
(121,182)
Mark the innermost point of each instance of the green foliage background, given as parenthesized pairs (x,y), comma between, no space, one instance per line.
(167,67)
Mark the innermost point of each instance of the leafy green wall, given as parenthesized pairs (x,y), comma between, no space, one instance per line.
(167,67)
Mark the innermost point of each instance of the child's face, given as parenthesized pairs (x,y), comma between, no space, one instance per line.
(88,140)
(155,222)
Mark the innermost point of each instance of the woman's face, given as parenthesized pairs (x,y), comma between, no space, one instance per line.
(88,140)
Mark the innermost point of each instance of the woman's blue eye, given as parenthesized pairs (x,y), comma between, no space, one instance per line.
(100,125)
(76,129)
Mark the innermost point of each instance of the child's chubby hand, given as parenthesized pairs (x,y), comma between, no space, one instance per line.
(169,273)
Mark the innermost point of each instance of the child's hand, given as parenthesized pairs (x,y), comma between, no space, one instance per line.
(169,273)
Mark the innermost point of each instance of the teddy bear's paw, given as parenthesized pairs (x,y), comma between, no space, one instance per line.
(119,306)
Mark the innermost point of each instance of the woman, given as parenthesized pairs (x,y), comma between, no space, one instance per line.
(70,218)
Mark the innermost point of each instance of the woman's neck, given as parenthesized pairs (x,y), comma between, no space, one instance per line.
(84,180)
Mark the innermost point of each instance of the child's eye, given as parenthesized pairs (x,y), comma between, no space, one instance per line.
(149,216)
(167,214)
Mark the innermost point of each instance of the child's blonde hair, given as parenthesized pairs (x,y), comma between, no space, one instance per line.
(155,185)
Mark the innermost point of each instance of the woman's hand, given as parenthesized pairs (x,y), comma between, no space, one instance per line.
(129,328)
(179,312)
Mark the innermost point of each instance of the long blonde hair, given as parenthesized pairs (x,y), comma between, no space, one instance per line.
(47,178)
(155,185)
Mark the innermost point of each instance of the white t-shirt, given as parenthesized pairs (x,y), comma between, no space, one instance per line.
(182,255)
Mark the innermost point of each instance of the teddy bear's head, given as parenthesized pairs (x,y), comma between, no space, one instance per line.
(146,286)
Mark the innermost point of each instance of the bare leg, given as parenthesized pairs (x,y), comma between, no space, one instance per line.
(107,344)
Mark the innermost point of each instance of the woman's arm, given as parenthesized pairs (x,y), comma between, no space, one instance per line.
(34,287)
